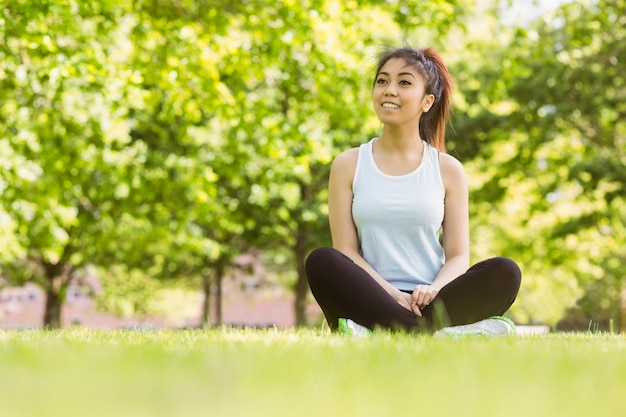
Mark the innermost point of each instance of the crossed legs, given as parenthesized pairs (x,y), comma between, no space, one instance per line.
(344,289)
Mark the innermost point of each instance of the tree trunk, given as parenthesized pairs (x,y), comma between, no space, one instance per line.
(56,282)
(622,312)
(206,302)
(219,278)
(302,286)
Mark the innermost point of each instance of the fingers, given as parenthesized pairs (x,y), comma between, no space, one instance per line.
(423,295)
(415,309)
(404,301)
(420,299)
(405,305)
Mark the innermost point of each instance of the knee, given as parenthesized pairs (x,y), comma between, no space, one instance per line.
(318,257)
(509,271)
(318,261)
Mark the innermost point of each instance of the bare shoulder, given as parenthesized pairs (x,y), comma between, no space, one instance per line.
(346,158)
(452,171)
(344,164)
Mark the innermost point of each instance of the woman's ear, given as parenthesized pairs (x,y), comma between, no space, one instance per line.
(428,102)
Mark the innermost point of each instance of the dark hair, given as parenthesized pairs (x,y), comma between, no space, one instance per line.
(438,82)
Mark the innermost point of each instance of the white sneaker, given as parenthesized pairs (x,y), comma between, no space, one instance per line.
(495,326)
(351,328)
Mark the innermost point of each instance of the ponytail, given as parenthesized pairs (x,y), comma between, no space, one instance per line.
(438,82)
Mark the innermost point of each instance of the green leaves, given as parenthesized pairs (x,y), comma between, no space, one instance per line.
(551,164)
(171,136)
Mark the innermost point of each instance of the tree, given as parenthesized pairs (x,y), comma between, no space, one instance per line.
(303,98)
(183,133)
(104,151)
(65,136)
(545,134)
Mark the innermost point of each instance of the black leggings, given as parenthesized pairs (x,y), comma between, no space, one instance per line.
(344,289)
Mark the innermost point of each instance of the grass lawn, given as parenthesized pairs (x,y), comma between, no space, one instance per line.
(214,373)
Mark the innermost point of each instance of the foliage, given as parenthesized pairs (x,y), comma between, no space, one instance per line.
(163,138)
(544,128)
(162,153)
(67,157)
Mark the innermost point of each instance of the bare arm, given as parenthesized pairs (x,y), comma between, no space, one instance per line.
(342,227)
(455,222)
(455,231)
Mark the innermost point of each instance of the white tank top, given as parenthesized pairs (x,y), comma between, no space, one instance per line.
(398,218)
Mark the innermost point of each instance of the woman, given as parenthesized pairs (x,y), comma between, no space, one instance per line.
(388,201)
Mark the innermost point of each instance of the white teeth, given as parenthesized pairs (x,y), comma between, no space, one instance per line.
(390,106)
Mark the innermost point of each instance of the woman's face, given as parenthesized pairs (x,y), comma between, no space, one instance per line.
(399,93)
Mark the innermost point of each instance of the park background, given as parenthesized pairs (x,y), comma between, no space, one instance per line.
(159,155)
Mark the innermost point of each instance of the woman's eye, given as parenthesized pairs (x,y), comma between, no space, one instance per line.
(405,82)
(381,81)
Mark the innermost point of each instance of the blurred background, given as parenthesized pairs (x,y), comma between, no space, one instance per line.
(163,163)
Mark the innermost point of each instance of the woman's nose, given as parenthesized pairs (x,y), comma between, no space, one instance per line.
(390,90)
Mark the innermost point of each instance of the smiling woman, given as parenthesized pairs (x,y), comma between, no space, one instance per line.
(399,95)
(389,201)
(421,79)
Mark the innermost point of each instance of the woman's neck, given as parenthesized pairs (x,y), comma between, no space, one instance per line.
(401,139)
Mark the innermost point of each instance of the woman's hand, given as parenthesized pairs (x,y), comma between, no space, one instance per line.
(406,301)
(422,296)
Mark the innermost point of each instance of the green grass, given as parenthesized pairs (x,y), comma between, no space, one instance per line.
(90,373)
